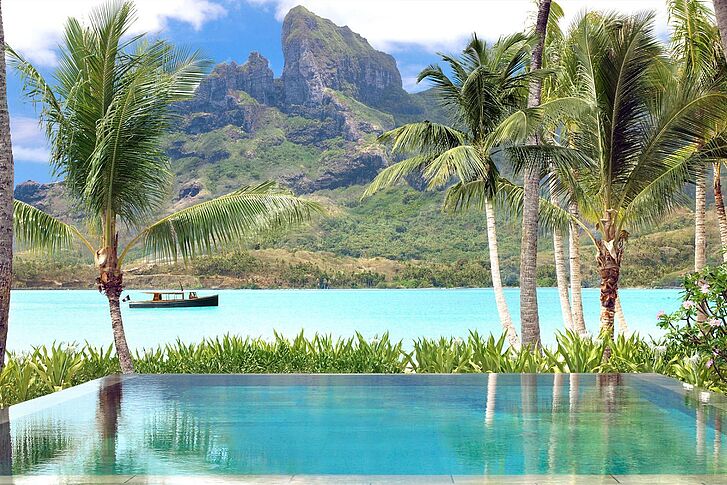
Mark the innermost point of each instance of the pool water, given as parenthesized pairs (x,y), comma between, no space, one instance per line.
(480,424)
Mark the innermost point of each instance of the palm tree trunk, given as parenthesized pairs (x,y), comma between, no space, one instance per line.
(623,327)
(561,272)
(719,207)
(561,276)
(720,13)
(110,282)
(574,249)
(529,320)
(6,204)
(609,256)
(500,301)
(700,213)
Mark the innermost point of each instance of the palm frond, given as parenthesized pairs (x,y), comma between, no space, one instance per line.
(40,231)
(205,227)
(551,217)
(393,174)
(424,137)
(465,162)
(107,111)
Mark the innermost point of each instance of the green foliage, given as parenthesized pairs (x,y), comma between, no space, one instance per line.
(46,370)
(699,327)
(108,109)
(56,368)
(203,227)
(576,354)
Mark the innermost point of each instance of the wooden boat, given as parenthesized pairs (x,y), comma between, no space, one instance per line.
(175,299)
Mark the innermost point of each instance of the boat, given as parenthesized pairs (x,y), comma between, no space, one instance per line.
(175,299)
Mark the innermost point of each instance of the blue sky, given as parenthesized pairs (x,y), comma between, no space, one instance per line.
(225,30)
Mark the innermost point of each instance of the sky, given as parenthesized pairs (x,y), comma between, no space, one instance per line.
(413,31)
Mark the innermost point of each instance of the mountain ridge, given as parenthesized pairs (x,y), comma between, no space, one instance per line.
(314,129)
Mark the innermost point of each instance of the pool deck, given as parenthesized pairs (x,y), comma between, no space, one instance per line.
(374,479)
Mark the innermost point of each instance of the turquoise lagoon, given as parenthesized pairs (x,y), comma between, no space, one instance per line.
(42,317)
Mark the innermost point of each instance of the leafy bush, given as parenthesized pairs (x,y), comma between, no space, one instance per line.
(698,329)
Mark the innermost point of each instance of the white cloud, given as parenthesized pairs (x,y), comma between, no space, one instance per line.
(24,129)
(30,154)
(28,140)
(391,25)
(35,27)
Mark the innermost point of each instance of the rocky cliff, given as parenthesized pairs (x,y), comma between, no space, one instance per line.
(313,128)
(319,55)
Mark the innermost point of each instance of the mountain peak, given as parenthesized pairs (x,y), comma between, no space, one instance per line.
(319,54)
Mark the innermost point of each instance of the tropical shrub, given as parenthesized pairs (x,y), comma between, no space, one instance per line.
(698,329)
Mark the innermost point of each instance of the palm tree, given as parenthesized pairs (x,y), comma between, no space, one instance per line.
(695,42)
(720,13)
(645,134)
(105,117)
(529,319)
(6,204)
(550,90)
(487,85)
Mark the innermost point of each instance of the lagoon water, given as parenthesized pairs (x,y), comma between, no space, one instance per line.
(41,317)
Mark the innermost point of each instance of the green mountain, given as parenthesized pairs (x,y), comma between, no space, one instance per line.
(314,129)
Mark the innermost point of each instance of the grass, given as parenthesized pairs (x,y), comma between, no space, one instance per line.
(50,369)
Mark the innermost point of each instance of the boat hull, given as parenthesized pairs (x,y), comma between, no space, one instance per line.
(187,303)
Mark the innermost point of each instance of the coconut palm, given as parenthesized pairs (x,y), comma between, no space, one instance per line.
(486,84)
(552,54)
(6,204)
(486,95)
(695,47)
(105,116)
(646,134)
(531,185)
(720,13)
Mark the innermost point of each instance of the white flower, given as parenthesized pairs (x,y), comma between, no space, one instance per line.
(375,341)
(659,349)
(458,341)
(688,304)
(714,322)
(693,360)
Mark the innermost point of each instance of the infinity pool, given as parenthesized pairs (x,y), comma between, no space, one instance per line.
(434,425)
